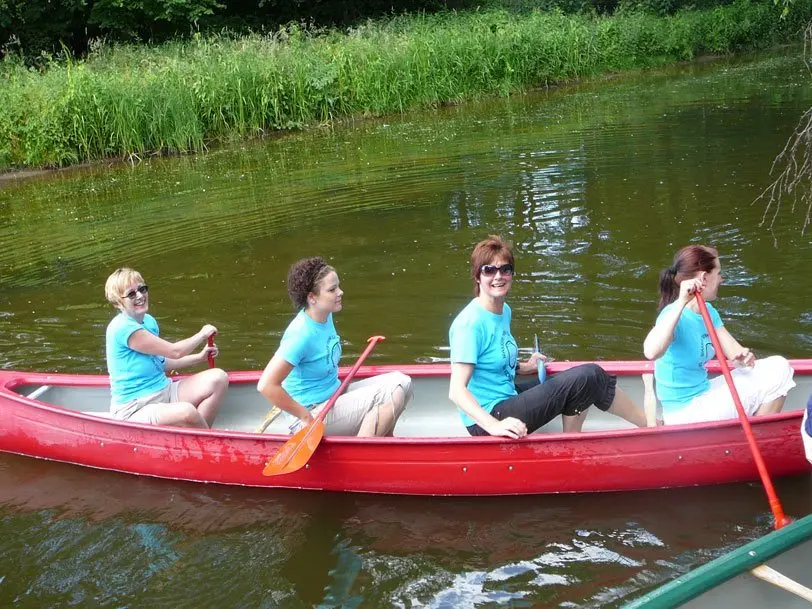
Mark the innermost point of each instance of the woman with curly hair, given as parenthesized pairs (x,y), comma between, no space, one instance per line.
(303,373)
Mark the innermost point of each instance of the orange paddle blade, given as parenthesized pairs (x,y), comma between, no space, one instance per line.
(297,451)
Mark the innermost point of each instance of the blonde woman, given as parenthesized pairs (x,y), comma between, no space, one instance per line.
(138,358)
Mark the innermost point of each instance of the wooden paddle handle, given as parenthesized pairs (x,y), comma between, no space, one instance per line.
(210,343)
(272,414)
(770,575)
(775,504)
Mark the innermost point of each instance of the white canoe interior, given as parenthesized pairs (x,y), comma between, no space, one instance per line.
(431,414)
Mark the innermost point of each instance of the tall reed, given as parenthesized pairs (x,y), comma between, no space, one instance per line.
(135,100)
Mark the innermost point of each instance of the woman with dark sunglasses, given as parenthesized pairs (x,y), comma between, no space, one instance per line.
(138,358)
(484,362)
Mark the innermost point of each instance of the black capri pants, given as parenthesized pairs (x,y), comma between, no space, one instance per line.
(567,393)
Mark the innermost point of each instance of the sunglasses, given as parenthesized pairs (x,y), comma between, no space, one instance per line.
(489,270)
(141,289)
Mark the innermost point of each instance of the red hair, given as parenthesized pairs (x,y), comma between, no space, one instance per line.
(487,251)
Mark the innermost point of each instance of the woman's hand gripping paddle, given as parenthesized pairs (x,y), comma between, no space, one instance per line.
(775,504)
(540,364)
(296,452)
(210,342)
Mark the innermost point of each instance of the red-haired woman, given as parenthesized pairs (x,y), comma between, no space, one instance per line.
(680,344)
(485,361)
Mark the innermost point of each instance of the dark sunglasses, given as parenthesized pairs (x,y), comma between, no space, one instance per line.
(489,270)
(141,289)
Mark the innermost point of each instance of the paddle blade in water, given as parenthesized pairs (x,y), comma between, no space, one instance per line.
(297,451)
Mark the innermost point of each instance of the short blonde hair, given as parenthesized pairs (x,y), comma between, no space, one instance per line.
(119,281)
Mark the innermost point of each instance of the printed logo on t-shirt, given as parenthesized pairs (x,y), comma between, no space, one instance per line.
(510,354)
(333,353)
(707,350)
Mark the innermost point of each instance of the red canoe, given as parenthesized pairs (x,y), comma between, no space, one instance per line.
(63,418)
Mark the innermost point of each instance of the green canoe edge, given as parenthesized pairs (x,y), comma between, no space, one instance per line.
(716,572)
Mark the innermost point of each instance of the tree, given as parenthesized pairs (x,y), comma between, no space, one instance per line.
(794,162)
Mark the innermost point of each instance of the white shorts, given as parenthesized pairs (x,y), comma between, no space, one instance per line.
(145,409)
(346,416)
(769,379)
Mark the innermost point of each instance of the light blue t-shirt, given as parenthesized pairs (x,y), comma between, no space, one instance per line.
(314,350)
(132,374)
(483,339)
(680,373)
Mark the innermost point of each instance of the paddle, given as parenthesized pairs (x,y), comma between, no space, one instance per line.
(296,452)
(540,364)
(775,504)
(210,342)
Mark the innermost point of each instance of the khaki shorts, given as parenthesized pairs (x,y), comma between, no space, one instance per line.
(145,409)
(345,418)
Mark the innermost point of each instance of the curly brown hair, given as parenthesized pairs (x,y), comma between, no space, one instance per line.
(304,277)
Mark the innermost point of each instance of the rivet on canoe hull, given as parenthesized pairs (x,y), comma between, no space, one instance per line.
(727,452)
(465,469)
(135,449)
(679,458)
(510,468)
(307,465)
(102,444)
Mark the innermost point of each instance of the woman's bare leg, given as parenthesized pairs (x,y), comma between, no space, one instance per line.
(380,421)
(181,414)
(205,391)
(573,423)
(771,407)
(623,407)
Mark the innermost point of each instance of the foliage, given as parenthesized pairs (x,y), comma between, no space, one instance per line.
(36,26)
(132,100)
(144,19)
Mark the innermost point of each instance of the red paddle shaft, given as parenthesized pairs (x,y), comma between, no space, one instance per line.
(210,342)
(775,504)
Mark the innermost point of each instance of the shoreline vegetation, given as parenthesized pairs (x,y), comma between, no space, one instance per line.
(133,101)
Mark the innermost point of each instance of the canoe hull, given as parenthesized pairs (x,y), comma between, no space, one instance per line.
(618,460)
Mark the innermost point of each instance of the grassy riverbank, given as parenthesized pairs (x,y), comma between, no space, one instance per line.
(137,100)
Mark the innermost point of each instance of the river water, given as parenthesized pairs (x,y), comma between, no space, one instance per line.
(596,185)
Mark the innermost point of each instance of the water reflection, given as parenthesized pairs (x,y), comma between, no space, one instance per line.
(130,540)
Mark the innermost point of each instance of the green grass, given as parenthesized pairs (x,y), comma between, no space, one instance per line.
(138,100)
